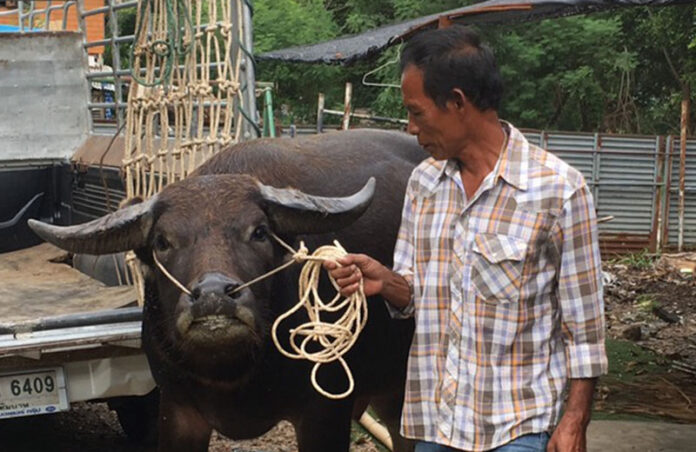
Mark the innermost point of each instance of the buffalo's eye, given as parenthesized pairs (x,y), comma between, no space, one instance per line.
(260,233)
(161,243)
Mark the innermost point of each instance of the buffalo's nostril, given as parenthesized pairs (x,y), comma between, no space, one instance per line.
(196,293)
(230,290)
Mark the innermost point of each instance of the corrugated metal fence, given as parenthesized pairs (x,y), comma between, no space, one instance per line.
(626,174)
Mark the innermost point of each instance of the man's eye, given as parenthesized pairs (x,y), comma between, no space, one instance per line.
(260,234)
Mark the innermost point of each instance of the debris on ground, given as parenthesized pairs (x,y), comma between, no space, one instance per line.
(652,301)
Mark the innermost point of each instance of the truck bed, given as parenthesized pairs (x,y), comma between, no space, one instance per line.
(35,283)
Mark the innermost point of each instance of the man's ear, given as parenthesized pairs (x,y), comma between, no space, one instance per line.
(459,98)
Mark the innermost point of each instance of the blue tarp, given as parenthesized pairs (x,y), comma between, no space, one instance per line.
(350,48)
(8,29)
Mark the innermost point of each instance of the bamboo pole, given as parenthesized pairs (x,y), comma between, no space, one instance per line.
(320,113)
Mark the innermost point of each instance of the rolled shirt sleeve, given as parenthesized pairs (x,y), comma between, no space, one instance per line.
(404,253)
(580,288)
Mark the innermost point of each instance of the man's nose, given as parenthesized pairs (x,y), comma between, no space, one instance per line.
(412,128)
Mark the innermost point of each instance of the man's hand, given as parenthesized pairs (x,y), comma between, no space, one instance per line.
(352,268)
(569,435)
(377,279)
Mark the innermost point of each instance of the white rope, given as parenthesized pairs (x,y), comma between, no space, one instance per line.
(333,340)
(170,276)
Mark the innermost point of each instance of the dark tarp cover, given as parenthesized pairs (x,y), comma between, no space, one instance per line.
(350,48)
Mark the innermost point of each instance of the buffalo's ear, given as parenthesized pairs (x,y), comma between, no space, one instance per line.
(126,229)
(295,212)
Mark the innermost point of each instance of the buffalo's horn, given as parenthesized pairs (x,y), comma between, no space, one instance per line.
(123,230)
(295,212)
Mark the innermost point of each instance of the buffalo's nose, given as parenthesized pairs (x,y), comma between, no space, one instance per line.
(215,285)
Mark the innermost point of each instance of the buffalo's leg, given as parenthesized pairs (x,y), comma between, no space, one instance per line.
(324,426)
(181,427)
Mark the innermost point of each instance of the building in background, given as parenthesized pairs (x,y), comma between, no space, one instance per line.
(65,11)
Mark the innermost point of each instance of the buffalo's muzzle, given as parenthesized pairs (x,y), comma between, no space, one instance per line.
(216,285)
(215,305)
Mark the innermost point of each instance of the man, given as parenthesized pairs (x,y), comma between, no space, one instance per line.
(497,257)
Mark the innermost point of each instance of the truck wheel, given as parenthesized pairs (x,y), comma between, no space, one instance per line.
(138,416)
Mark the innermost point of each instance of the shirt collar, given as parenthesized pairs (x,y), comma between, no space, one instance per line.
(512,165)
(514,162)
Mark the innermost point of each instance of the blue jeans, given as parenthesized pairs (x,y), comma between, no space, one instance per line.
(534,442)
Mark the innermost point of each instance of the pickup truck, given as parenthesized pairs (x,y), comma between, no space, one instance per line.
(69,325)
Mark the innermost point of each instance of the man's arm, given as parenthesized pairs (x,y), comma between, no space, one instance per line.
(570,433)
(377,279)
(581,307)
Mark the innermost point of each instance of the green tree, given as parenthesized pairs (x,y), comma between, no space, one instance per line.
(285,23)
(561,73)
(666,69)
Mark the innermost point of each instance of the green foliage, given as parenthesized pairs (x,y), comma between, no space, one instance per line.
(561,73)
(126,26)
(626,360)
(646,303)
(641,260)
(285,23)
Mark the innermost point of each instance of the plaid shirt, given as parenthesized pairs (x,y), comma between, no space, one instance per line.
(507,297)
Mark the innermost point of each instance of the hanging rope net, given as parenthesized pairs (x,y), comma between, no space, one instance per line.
(185,101)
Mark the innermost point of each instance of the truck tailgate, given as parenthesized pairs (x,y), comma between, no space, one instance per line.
(46,305)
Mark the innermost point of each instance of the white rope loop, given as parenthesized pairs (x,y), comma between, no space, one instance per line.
(331,340)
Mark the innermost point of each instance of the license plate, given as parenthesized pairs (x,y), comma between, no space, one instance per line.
(31,393)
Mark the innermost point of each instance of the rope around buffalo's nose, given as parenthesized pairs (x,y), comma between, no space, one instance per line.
(333,339)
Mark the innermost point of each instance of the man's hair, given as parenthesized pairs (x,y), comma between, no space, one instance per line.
(451,58)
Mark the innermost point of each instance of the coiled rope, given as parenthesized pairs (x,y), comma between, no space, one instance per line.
(331,339)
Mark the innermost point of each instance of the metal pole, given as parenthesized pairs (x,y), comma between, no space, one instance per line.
(20,8)
(682,164)
(596,169)
(270,120)
(115,64)
(79,11)
(320,113)
(347,107)
(248,67)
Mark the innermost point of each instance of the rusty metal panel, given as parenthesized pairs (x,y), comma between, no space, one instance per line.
(614,244)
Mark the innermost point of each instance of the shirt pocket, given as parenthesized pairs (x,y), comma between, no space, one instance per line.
(496,273)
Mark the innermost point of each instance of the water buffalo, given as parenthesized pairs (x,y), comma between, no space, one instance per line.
(211,352)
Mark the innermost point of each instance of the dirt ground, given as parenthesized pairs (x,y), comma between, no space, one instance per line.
(652,302)
(92,427)
(650,306)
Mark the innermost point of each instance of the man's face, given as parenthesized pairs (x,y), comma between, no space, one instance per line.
(439,130)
